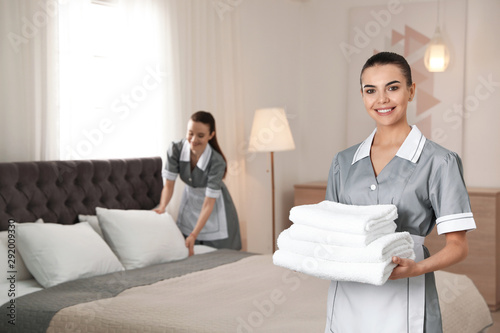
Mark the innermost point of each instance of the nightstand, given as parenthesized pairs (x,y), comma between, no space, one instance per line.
(309,193)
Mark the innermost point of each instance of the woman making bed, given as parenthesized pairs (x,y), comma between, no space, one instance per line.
(397,165)
(207,214)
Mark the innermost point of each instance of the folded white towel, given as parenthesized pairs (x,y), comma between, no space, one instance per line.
(339,217)
(398,244)
(372,273)
(315,235)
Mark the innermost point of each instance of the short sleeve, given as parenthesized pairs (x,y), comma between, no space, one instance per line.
(171,169)
(215,175)
(333,181)
(449,197)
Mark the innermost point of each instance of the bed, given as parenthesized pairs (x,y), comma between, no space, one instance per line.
(65,276)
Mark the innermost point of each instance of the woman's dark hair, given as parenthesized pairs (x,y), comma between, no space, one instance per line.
(389,58)
(207,118)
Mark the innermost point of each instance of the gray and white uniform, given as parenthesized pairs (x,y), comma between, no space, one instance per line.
(205,180)
(425,182)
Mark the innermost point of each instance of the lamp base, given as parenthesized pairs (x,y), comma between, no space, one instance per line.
(272,187)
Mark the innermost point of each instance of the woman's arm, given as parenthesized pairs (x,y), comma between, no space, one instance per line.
(455,250)
(166,195)
(206,210)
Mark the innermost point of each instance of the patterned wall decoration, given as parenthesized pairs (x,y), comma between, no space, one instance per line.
(406,28)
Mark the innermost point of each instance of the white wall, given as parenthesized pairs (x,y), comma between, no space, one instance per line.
(292,58)
(481,157)
(270,52)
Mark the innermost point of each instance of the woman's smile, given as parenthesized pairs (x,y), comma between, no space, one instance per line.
(385,111)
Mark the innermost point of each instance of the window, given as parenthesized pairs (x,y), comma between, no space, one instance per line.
(112,80)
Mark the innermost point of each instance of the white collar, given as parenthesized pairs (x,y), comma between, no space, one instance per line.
(204,158)
(410,149)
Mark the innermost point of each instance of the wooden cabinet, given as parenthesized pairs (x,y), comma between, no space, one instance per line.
(309,193)
(482,265)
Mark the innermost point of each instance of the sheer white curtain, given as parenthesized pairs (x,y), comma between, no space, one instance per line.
(205,68)
(28,80)
(116,90)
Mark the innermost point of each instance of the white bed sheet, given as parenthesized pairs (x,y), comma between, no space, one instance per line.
(200,249)
(21,288)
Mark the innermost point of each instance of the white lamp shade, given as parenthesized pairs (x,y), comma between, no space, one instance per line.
(437,56)
(270,131)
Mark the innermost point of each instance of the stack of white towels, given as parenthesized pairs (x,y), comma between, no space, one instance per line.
(342,242)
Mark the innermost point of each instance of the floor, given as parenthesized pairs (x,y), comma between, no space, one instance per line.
(496,322)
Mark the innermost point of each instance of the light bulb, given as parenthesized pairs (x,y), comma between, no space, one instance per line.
(437,56)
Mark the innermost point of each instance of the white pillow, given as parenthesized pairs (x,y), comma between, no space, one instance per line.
(142,237)
(56,253)
(93,221)
(22,273)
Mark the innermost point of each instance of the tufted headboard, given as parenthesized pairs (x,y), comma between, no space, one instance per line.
(57,191)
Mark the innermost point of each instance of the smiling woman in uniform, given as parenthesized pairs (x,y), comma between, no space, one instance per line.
(397,165)
(207,214)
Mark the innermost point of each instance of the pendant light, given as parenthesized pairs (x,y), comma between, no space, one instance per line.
(437,55)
